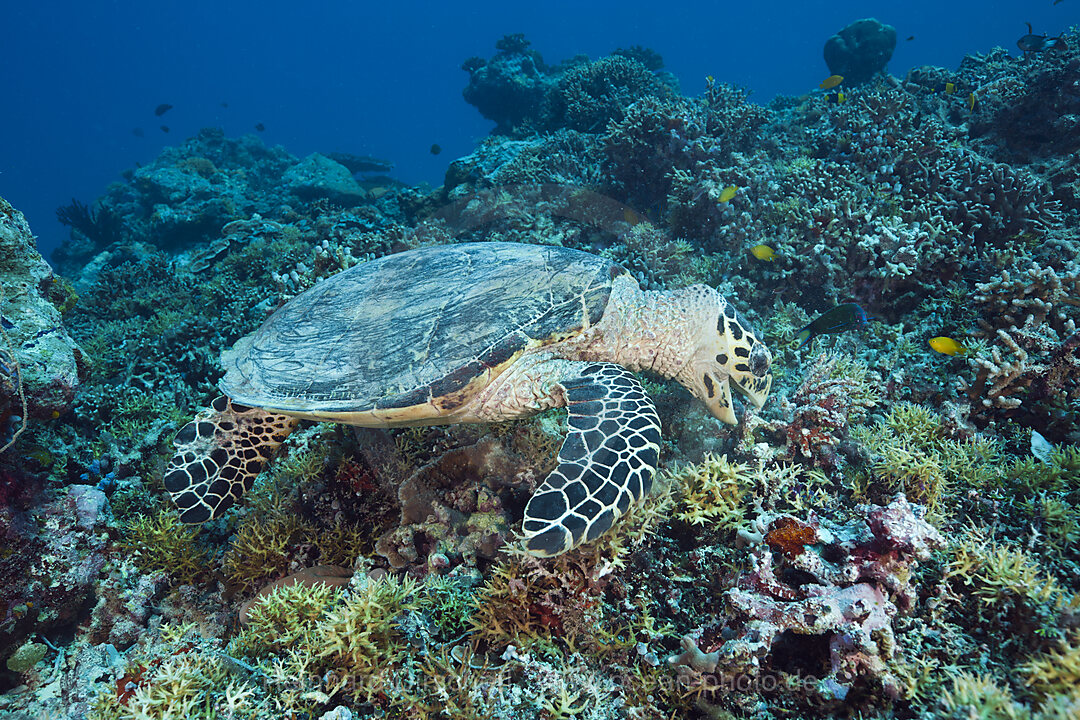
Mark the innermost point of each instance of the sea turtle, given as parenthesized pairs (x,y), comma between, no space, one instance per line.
(476,332)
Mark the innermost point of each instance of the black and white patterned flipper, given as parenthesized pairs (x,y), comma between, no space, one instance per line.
(606,462)
(219,454)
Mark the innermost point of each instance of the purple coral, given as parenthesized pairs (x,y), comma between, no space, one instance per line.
(824,613)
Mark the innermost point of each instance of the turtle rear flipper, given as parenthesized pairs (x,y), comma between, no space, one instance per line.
(606,462)
(219,454)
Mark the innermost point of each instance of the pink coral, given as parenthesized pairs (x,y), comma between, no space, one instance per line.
(826,612)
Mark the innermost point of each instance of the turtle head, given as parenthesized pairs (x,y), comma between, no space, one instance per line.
(728,353)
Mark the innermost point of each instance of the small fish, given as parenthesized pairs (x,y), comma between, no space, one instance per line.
(224,104)
(164,128)
(763,252)
(631,217)
(910,38)
(830,82)
(729,192)
(710,79)
(436,149)
(950,88)
(835,98)
(162,109)
(971,102)
(842,317)
(137,132)
(1041,448)
(260,127)
(947,346)
(1032,43)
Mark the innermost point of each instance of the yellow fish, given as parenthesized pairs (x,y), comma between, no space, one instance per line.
(763,252)
(630,217)
(729,192)
(831,82)
(947,346)
(950,88)
(971,102)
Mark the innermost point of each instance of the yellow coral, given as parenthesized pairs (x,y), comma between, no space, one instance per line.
(711,492)
(360,635)
(1055,673)
(978,696)
(260,550)
(996,572)
(161,542)
(286,618)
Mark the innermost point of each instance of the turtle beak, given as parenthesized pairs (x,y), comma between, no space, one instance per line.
(714,389)
(756,390)
(721,406)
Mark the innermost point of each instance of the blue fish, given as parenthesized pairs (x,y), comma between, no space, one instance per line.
(848,316)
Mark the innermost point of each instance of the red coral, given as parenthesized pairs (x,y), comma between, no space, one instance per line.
(129,683)
(790,536)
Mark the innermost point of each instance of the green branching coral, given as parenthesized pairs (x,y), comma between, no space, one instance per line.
(286,619)
(1055,675)
(979,697)
(911,453)
(260,550)
(161,542)
(711,492)
(1052,681)
(447,601)
(996,573)
(360,636)
(183,676)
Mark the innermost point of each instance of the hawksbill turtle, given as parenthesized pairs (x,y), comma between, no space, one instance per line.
(476,332)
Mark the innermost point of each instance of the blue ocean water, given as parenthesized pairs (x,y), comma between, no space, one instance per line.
(80,80)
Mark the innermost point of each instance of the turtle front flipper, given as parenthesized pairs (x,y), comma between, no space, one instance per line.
(606,462)
(219,454)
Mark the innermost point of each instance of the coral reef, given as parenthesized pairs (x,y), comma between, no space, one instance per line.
(822,613)
(39,362)
(892,535)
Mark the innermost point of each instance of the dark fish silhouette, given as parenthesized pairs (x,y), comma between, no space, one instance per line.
(224,104)
(911,37)
(842,317)
(164,128)
(1032,43)
(137,132)
(260,127)
(436,149)
(162,109)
